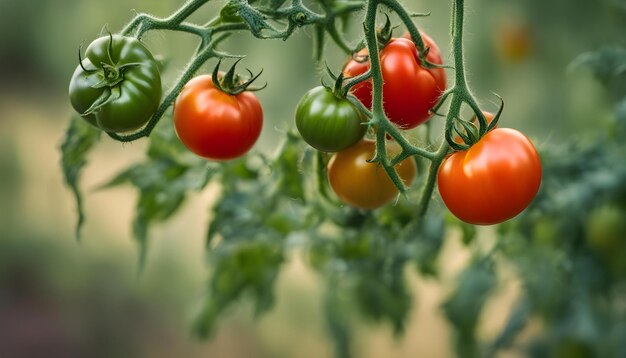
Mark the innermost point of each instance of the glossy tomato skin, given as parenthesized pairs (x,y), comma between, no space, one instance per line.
(214,124)
(136,88)
(492,181)
(409,90)
(365,185)
(328,123)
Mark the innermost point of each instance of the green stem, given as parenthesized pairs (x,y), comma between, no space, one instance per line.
(253,22)
(188,73)
(175,19)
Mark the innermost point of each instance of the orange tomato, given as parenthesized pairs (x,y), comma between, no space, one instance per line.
(365,185)
(492,181)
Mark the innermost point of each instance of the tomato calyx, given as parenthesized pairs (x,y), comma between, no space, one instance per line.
(385,33)
(231,82)
(111,75)
(471,131)
(337,88)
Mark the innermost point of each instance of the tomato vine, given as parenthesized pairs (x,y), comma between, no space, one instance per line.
(270,204)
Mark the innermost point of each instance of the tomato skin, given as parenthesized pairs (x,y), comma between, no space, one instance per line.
(409,90)
(492,181)
(214,124)
(139,88)
(365,185)
(328,123)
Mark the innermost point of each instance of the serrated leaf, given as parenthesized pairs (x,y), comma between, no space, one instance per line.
(80,138)
(162,181)
(241,268)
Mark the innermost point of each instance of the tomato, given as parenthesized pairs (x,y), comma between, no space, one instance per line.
(513,41)
(365,185)
(492,181)
(409,90)
(214,124)
(488,116)
(605,229)
(117,88)
(329,123)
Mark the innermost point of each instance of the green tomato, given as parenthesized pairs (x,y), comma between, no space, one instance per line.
(117,88)
(328,123)
(606,229)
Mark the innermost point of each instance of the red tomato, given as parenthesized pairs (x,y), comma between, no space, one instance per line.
(214,124)
(362,184)
(492,181)
(409,90)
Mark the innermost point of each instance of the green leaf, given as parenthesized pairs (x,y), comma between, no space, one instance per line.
(620,118)
(162,181)
(515,324)
(337,321)
(464,306)
(79,139)
(426,236)
(606,63)
(241,268)
(261,204)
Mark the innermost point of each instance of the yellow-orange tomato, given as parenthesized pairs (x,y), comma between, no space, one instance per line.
(513,42)
(365,185)
(492,181)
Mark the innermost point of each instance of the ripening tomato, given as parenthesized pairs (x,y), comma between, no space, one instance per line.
(329,123)
(409,90)
(492,181)
(214,124)
(365,185)
(513,41)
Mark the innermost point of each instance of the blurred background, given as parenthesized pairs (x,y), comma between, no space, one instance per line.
(59,297)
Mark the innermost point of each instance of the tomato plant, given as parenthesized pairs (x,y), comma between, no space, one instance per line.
(486,175)
(362,184)
(117,86)
(492,181)
(215,124)
(328,122)
(409,89)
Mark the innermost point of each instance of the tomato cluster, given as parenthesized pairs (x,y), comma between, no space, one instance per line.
(329,122)
(117,88)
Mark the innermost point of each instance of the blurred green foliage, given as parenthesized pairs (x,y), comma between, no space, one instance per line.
(567,250)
